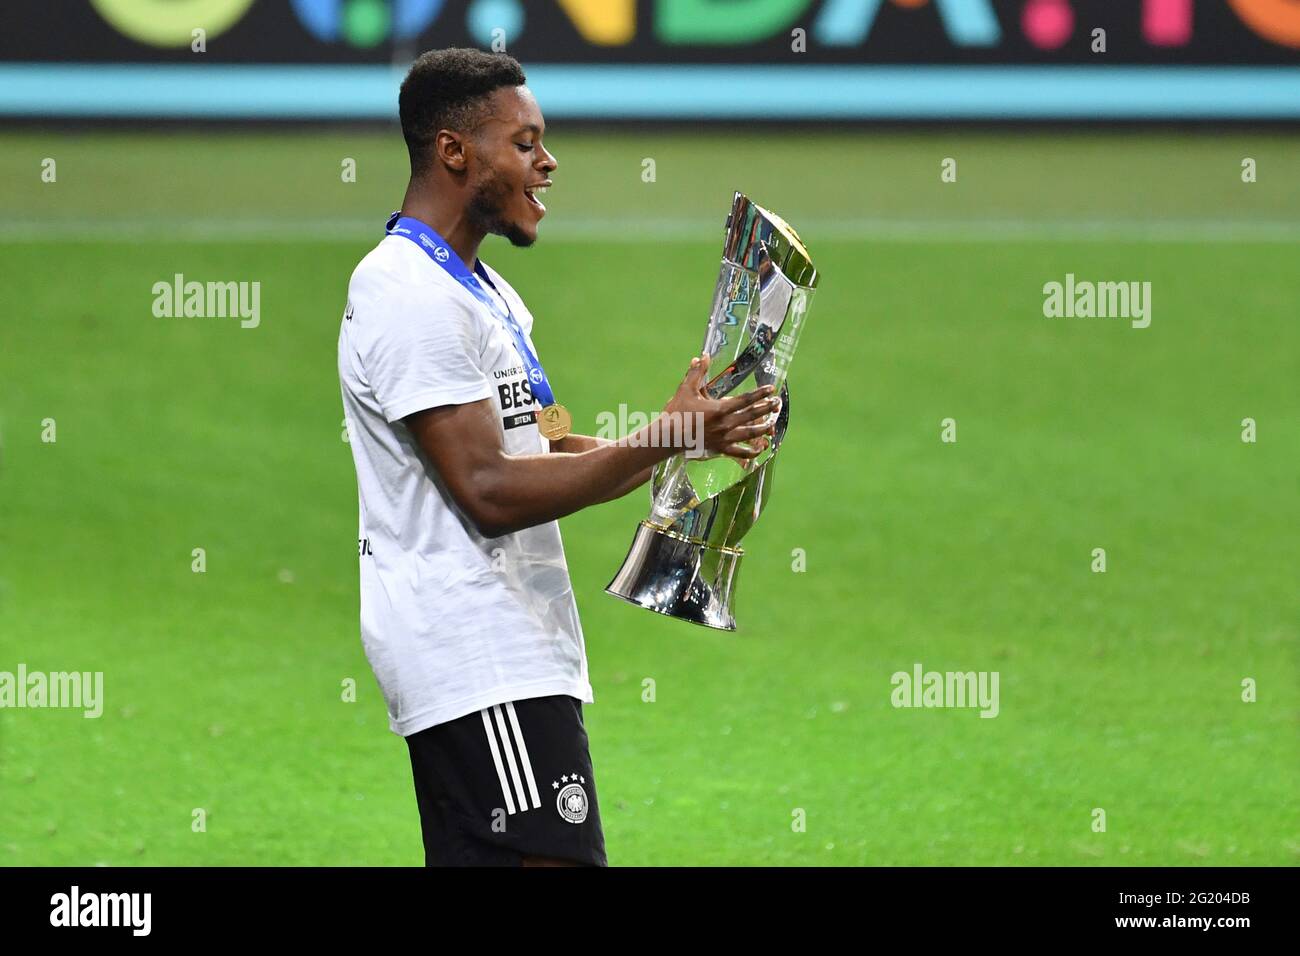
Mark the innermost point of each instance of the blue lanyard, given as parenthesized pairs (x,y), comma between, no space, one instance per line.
(444,256)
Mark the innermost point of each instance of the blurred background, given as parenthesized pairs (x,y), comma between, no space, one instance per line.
(943,160)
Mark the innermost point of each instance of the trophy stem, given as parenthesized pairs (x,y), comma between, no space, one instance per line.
(671,574)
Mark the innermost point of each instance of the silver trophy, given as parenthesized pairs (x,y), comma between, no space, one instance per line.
(685,557)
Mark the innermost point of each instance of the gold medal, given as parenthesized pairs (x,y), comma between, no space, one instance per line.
(554,422)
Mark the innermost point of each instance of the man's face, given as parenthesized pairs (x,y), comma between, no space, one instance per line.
(509,162)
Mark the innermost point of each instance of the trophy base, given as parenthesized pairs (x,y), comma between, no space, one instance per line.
(670,574)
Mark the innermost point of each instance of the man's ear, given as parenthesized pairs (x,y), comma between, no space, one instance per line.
(449,149)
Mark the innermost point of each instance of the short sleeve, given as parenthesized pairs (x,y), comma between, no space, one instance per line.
(419,349)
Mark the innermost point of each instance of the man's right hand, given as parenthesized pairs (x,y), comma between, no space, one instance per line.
(730,423)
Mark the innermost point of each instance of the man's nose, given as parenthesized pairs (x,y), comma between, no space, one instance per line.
(549,162)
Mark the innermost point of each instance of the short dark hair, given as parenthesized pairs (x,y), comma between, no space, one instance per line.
(447,89)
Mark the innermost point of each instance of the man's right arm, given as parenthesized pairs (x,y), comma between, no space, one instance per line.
(502,493)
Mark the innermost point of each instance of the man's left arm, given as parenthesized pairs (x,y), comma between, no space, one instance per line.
(581,443)
(576,444)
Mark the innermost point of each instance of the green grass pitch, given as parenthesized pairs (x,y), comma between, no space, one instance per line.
(1120,691)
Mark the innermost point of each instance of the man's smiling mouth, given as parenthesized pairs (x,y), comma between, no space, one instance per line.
(532,191)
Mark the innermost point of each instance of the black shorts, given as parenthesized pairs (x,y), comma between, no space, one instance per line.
(508,782)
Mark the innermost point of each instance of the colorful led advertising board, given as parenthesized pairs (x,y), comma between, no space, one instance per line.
(664,59)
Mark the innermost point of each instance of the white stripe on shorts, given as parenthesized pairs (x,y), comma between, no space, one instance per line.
(496,759)
(510,757)
(523,756)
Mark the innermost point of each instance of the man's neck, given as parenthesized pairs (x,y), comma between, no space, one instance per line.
(448,219)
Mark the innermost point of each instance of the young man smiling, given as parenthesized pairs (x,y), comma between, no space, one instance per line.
(464,463)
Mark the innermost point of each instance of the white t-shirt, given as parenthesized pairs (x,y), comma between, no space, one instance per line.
(451,622)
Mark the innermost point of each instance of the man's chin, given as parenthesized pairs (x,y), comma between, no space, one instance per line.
(518,237)
(494,223)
